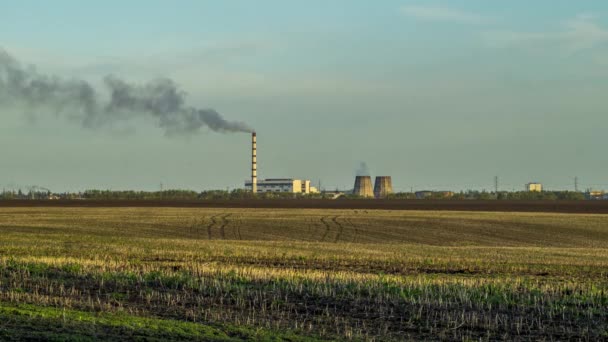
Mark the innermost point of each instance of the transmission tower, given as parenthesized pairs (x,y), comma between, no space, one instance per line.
(576,184)
(496,185)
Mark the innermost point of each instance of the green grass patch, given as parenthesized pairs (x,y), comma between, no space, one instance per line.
(31,322)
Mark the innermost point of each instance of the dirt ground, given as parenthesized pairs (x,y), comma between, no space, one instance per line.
(587,207)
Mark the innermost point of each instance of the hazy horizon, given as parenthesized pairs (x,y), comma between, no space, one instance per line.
(439,95)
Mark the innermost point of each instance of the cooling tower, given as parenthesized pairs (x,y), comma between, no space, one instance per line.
(383,186)
(254,164)
(363,186)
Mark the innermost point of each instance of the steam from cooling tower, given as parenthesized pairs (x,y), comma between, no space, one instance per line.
(363,170)
(161,100)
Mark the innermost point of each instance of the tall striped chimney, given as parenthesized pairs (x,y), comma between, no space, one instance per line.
(254,165)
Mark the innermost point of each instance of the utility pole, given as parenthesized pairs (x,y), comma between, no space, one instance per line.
(496,185)
(161,191)
(576,184)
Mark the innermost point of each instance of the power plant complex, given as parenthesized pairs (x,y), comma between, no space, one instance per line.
(292,185)
(381,188)
(274,184)
(383,185)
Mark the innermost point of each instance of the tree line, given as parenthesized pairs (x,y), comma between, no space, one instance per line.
(501,195)
(245,194)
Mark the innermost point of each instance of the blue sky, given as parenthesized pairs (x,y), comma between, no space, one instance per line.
(438,94)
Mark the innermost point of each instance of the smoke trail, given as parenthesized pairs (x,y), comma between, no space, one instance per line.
(161,100)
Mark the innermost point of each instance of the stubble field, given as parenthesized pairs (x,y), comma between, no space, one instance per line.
(301,274)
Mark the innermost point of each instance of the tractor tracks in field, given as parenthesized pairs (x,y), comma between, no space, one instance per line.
(327,227)
(211,225)
(196,227)
(340,228)
(223,225)
(218,223)
(344,228)
(332,223)
(354,227)
(237,229)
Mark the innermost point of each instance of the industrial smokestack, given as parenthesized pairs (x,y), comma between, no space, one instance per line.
(254,165)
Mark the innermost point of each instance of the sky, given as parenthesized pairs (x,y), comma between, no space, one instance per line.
(440,95)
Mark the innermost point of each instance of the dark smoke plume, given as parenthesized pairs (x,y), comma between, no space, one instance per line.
(161,100)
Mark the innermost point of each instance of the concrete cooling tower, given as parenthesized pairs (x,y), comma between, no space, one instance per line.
(383,186)
(363,186)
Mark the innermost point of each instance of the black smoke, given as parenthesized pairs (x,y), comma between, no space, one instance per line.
(161,100)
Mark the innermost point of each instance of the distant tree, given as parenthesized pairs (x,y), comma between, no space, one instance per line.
(402,195)
(571,196)
(485,196)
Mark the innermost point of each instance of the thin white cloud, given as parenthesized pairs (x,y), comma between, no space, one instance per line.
(579,33)
(441,13)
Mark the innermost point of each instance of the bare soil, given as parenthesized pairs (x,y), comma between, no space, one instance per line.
(583,207)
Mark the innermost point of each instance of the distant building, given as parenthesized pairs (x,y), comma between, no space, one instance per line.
(305,187)
(296,186)
(534,187)
(597,195)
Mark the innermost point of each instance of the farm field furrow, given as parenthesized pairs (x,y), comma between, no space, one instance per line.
(302,274)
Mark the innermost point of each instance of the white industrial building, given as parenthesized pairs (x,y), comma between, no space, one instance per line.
(296,186)
(534,187)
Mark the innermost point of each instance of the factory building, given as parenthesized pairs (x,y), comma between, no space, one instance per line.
(291,185)
(534,187)
(296,186)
